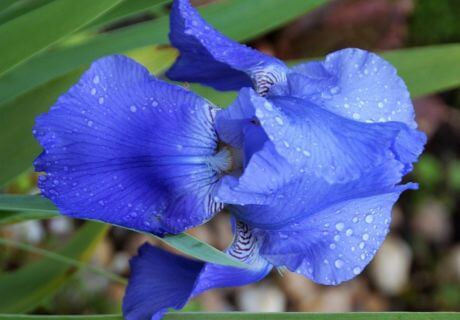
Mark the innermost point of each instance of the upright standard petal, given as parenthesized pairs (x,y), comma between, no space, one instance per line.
(318,141)
(161,280)
(210,58)
(126,148)
(355,84)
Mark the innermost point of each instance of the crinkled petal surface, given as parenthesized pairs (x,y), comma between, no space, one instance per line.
(318,141)
(272,194)
(355,84)
(210,58)
(161,280)
(125,148)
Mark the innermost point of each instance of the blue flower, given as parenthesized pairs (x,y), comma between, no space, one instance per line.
(325,146)
(126,148)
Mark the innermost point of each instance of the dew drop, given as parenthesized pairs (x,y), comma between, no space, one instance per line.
(93,91)
(133,108)
(306,153)
(363,256)
(356,116)
(365,237)
(332,246)
(361,245)
(154,103)
(356,270)
(380,105)
(338,263)
(90,123)
(268,106)
(339,226)
(279,120)
(96,79)
(369,218)
(335,90)
(349,232)
(101,100)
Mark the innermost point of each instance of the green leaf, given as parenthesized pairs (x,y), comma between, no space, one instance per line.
(226,16)
(16,217)
(27,203)
(63,259)
(427,70)
(17,145)
(35,31)
(182,242)
(25,289)
(126,9)
(15,8)
(264,316)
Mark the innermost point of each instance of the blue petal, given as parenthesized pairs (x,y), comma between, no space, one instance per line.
(335,244)
(161,280)
(125,148)
(318,141)
(355,84)
(271,194)
(210,58)
(327,232)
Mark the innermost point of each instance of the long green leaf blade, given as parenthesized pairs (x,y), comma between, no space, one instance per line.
(125,10)
(427,70)
(25,289)
(225,16)
(45,26)
(62,259)
(17,145)
(7,217)
(264,316)
(182,242)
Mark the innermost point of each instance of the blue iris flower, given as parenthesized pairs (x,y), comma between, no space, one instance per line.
(324,147)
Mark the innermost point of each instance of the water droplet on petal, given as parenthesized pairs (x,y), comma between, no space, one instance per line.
(339,226)
(133,108)
(268,106)
(335,90)
(365,236)
(349,232)
(96,79)
(338,263)
(279,120)
(369,218)
(356,270)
